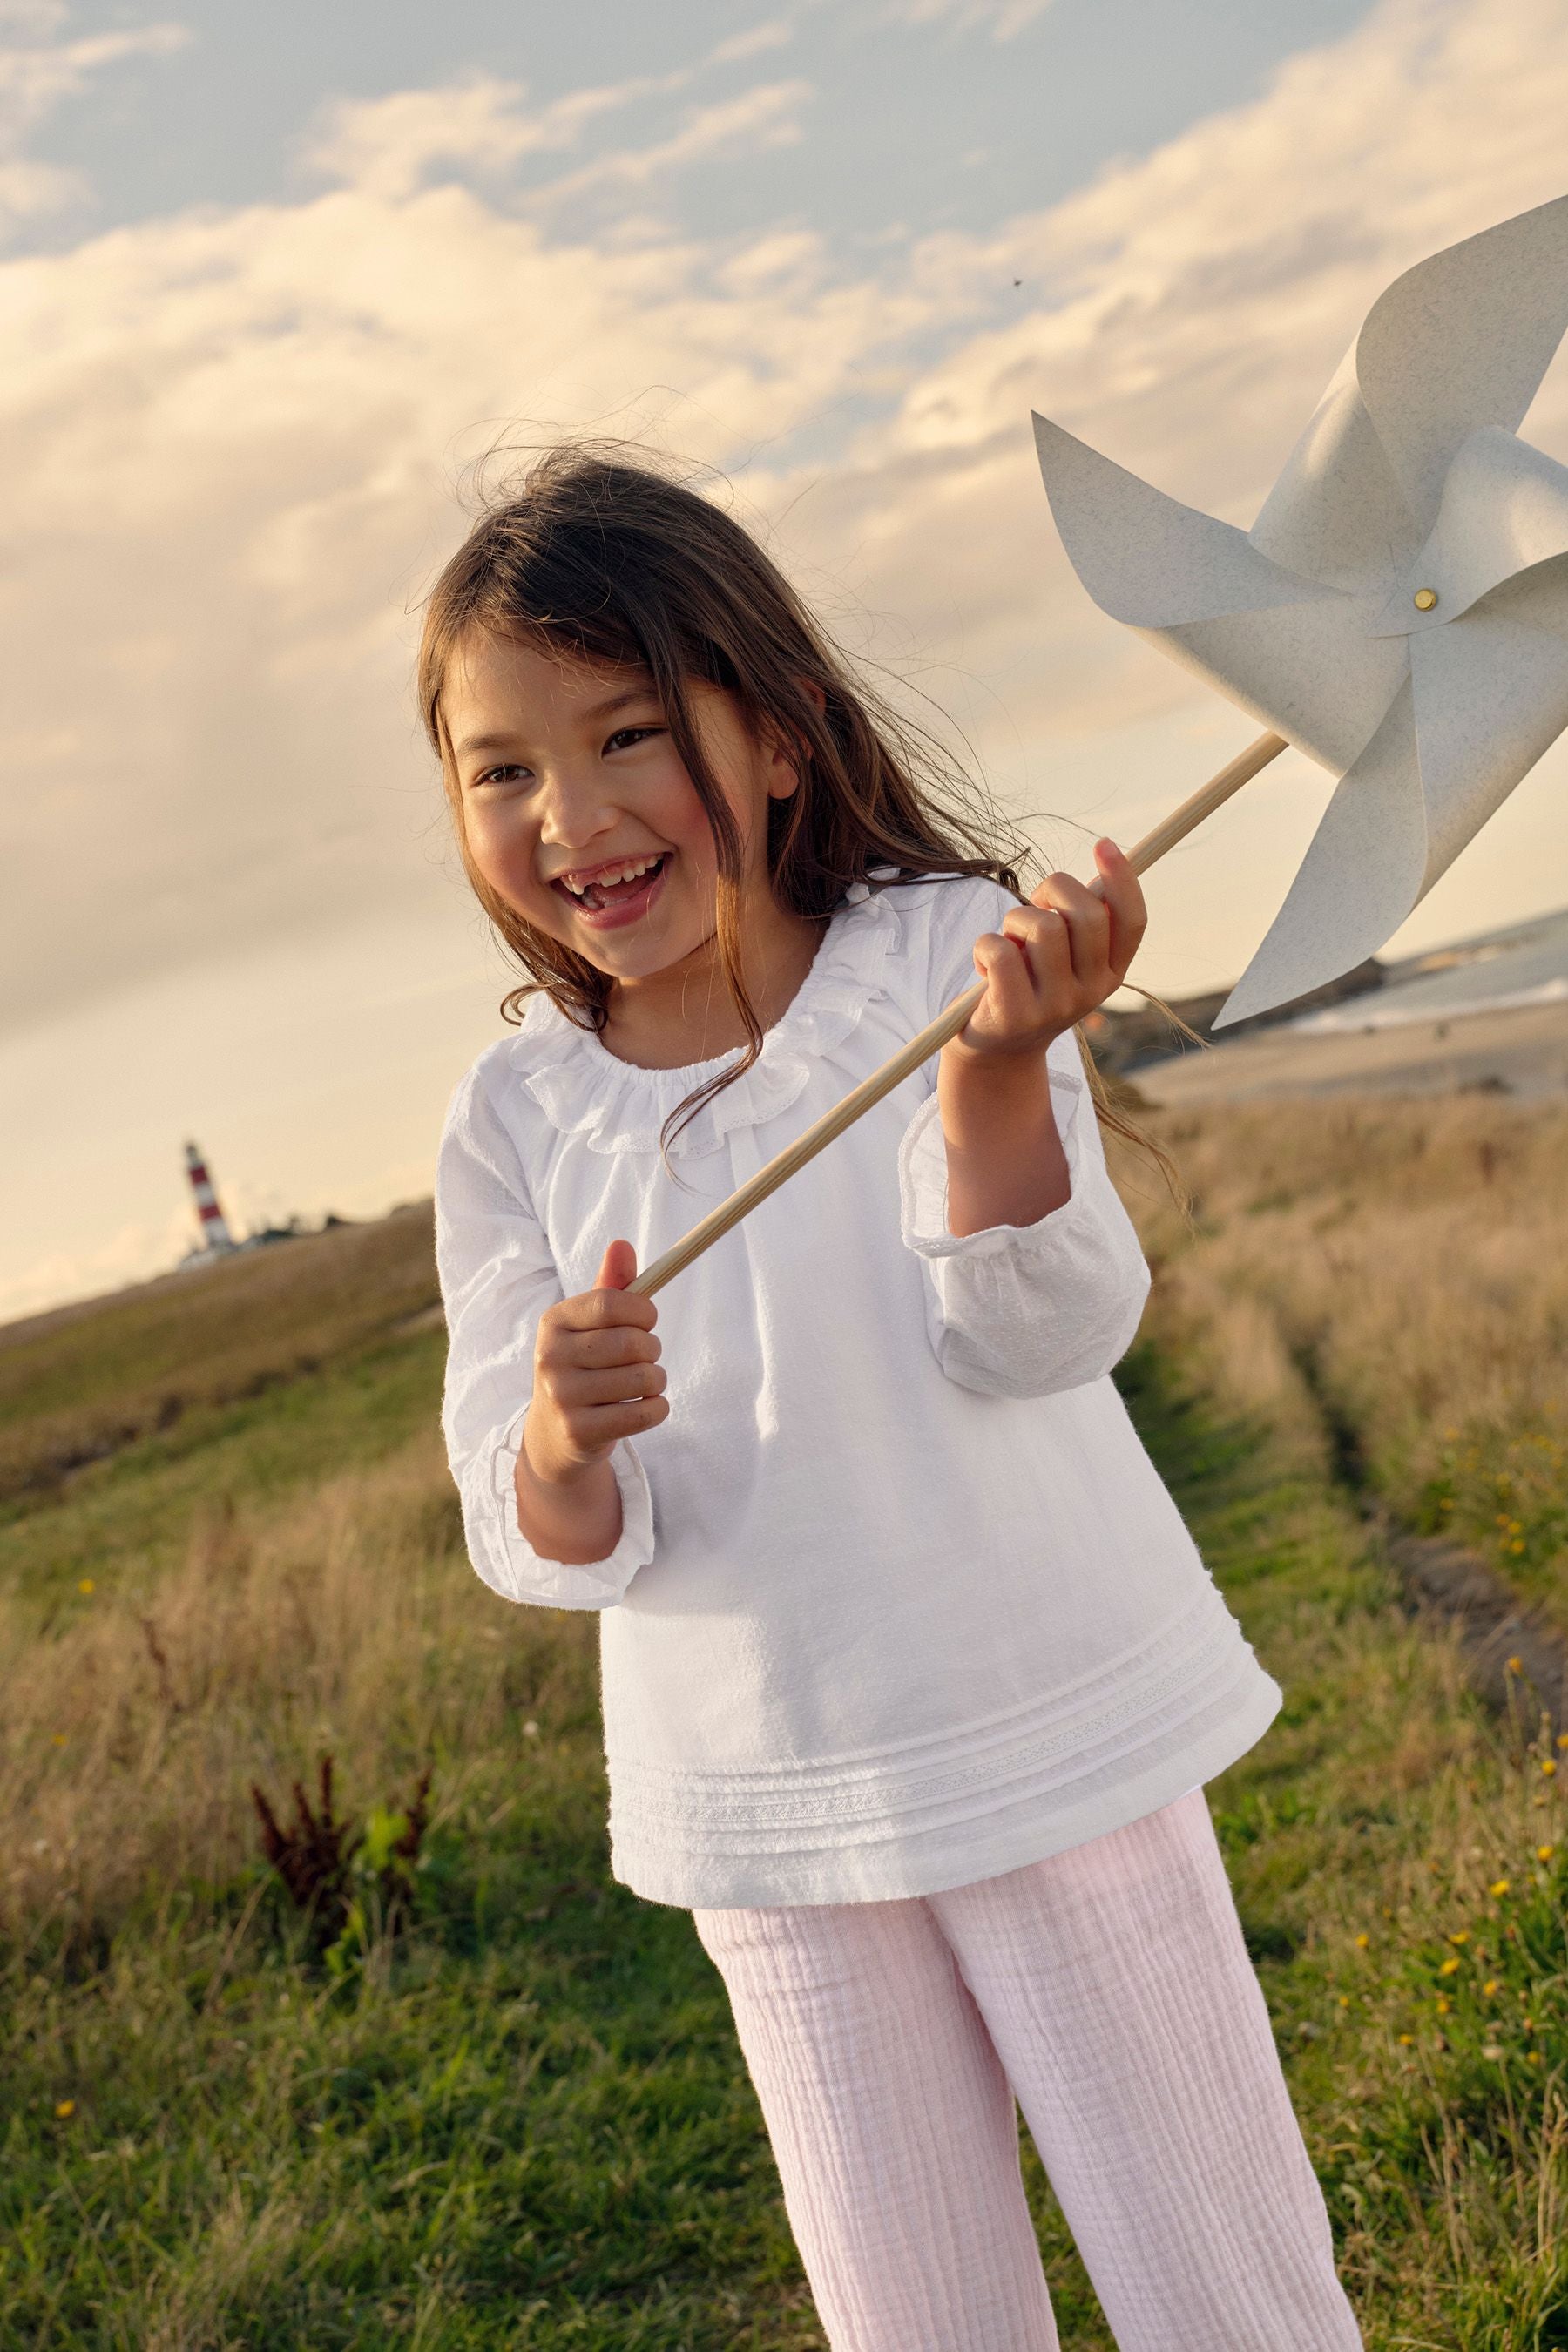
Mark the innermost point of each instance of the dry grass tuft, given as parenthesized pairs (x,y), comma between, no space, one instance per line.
(350,1620)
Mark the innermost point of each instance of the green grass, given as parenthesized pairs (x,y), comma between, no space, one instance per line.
(77,1385)
(528,2123)
(134,1512)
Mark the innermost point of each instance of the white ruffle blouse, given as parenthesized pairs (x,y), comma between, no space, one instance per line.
(900,1601)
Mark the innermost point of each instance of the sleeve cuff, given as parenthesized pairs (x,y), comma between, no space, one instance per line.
(922,1189)
(524,1574)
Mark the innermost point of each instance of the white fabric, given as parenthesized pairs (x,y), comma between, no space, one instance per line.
(1107,1991)
(1409,480)
(898,1599)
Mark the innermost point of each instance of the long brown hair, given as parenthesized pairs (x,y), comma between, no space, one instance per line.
(601,557)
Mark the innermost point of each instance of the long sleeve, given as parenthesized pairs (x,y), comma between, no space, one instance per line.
(496,1278)
(1022,1310)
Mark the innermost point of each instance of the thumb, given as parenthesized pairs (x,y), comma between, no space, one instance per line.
(618,1267)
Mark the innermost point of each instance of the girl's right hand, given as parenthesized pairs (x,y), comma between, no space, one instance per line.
(596,1377)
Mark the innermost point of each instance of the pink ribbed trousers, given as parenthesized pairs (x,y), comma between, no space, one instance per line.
(1107,1990)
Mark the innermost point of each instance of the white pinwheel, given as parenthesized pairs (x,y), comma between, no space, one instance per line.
(1399,610)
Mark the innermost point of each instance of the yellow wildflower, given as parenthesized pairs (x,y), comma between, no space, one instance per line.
(1344,2000)
(1497,1886)
(1549,1765)
(64,2107)
(1562,1739)
(1443,2004)
(1361,1942)
(1461,1936)
(86,1584)
(1406,2039)
(1489,1987)
(1516,1666)
(1449,1965)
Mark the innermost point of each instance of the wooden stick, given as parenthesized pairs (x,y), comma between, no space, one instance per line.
(1205,801)
(947,1024)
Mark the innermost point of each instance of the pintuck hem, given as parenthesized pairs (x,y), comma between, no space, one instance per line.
(998,1828)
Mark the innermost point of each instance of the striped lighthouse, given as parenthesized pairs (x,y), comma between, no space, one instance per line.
(215,1234)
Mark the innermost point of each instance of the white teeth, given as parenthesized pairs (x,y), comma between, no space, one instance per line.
(615,873)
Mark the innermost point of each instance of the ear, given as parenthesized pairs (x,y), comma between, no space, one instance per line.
(785,758)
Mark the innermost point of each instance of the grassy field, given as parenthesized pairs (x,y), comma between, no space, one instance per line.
(1389,1277)
(524,2121)
(79,1384)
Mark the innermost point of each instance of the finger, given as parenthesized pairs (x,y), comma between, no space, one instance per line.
(619,1266)
(1041,935)
(1019,971)
(601,1310)
(573,1388)
(621,1343)
(612,1420)
(1123,896)
(1087,920)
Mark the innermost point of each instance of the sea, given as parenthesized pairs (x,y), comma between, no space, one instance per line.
(1526,964)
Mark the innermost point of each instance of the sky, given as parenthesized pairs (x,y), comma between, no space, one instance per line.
(274,286)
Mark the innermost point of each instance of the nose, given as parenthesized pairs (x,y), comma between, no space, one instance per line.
(577,808)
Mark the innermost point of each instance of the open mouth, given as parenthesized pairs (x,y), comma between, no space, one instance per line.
(616,902)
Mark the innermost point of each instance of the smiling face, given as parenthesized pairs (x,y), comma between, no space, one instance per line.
(566,772)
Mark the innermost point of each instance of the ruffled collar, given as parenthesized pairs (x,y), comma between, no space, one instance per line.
(585,1090)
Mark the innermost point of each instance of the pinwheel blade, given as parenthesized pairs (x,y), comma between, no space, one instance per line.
(1489,698)
(1337,513)
(1311,672)
(1504,508)
(1486,698)
(1145,558)
(1292,652)
(1463,340)
(1361,877)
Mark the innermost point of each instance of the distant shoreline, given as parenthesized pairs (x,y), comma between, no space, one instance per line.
(1521,1051)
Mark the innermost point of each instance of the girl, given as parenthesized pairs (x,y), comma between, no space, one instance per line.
(911,1673)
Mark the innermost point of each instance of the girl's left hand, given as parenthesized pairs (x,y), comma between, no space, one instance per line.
(1053,961)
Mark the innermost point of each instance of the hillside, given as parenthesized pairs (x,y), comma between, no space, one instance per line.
(82,1381)
(524,2118)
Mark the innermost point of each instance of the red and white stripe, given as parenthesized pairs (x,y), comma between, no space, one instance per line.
(215,1234)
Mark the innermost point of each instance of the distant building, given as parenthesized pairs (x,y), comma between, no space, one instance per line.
(216,1236)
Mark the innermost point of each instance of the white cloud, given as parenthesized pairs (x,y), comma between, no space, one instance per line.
(774,35)
(475,128)
(389,147)
(234,437)
(1003,19)
(751,123)
(37,73)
